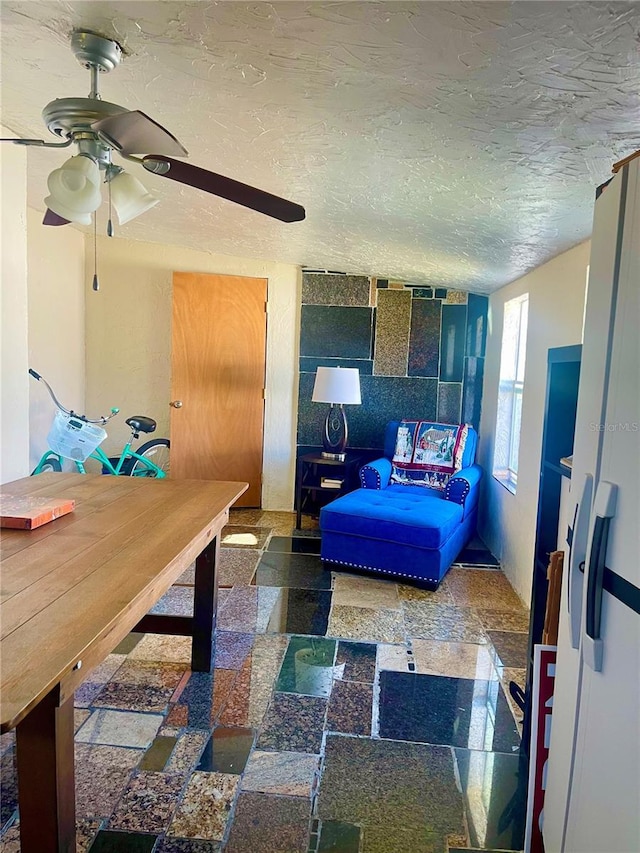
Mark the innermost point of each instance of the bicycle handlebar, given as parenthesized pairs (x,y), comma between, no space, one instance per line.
(100,420)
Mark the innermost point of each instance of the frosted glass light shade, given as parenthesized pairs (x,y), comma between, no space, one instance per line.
(66,213)
(76,186)
(130,197)
(337,385)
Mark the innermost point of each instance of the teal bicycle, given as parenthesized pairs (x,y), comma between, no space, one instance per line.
(77,438)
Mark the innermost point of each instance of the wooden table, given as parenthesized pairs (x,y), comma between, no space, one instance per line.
(71,591)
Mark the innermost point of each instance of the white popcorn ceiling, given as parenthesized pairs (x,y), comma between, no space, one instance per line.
(451,143)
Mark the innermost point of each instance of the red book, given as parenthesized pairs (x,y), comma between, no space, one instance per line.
(28,512)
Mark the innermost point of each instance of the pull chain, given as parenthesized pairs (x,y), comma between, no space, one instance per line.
(109,223)
(96,283)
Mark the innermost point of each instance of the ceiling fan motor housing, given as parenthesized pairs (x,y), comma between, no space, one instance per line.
(71,118)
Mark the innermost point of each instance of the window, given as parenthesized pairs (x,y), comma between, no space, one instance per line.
(509,417)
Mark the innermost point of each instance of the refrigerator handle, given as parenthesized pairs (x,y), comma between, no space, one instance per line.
(604,508)
(577,556)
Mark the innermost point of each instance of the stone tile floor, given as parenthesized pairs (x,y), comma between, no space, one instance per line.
(345,713)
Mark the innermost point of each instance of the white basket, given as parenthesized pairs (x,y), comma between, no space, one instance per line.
(73,438)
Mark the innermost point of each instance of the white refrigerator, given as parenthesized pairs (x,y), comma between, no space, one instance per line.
(592,796)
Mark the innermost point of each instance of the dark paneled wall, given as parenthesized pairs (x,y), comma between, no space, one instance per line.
(420,352)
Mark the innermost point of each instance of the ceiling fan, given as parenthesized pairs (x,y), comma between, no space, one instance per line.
(99,128)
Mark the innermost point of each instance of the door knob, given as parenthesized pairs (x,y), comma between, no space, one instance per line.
(177,404)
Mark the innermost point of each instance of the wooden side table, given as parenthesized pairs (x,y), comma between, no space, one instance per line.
(320,480)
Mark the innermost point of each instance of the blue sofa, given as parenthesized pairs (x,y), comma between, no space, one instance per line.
(405,531)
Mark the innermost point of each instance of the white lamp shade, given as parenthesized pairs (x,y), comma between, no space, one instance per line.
(76,185)
(71,215)
(130,197)
(337,385)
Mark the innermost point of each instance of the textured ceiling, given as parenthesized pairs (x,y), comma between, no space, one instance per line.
(452,143)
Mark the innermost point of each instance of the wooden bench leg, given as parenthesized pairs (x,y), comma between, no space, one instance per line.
(46,789)
(204,607)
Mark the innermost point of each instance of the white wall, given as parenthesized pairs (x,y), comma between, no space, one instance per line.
(556,304)
(14,415)
(128,341)
(56,284)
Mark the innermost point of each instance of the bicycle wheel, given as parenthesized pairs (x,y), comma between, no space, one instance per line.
(51,463)
(157,452)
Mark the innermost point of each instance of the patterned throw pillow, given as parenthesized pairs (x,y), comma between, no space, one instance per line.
(428,454)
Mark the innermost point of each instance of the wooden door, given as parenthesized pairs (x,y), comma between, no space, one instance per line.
(218,373)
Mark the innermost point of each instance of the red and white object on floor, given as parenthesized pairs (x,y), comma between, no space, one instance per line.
(544,672)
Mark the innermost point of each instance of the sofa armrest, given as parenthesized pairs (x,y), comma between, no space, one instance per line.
(463,489)
(376,474)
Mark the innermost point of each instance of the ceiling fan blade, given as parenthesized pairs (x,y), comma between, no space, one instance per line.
(135,133)
(210,182)
(39,142)
(51,218)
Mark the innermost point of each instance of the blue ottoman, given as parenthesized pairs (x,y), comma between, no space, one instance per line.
(404,532)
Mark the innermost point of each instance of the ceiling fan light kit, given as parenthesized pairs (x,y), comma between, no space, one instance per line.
(76,186)
(99,128)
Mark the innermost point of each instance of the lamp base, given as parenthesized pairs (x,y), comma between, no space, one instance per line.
(334,440)
(336,457)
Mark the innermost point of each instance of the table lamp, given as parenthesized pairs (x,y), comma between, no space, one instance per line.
(337,386)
